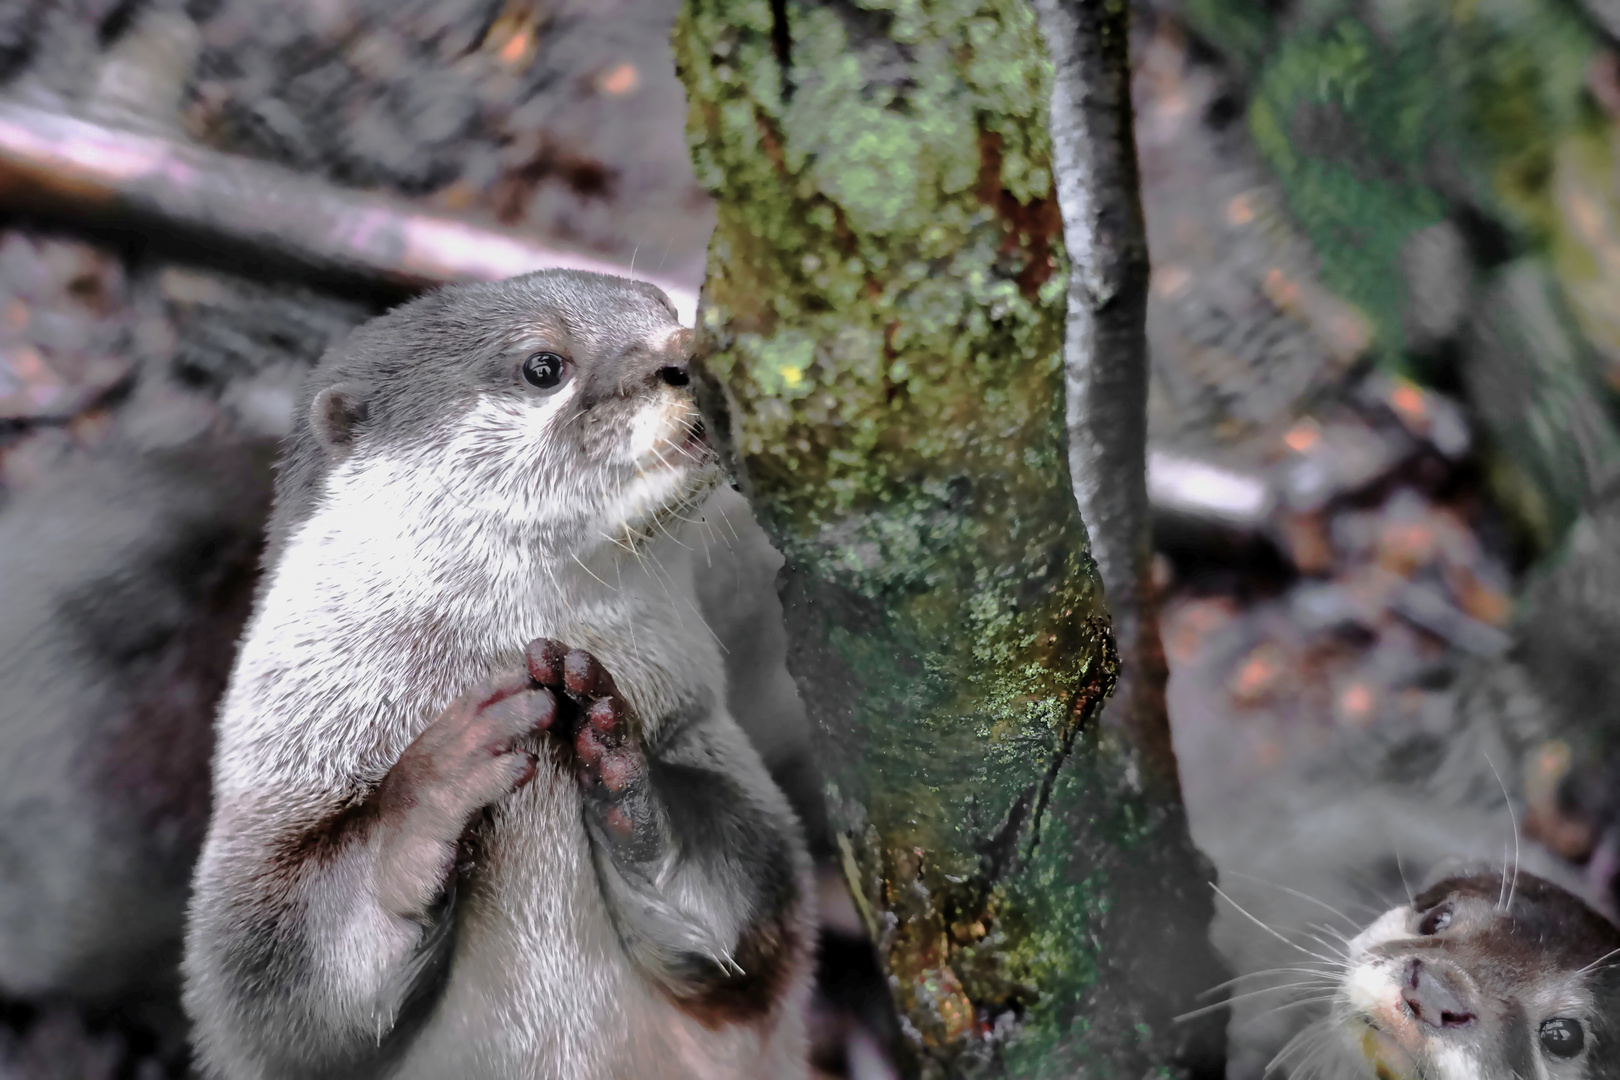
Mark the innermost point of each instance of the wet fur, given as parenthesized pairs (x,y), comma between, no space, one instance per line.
(432,518)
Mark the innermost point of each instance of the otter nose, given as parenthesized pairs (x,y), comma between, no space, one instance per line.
(1434,996)
(675,374)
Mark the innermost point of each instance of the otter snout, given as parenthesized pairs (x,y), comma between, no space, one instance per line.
(1437,995)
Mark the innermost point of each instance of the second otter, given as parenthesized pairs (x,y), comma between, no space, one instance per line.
(1478,977)
(480,810)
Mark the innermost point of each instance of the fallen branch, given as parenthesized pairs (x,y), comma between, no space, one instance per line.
(94,171)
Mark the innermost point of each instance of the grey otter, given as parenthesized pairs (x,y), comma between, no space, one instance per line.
(1479,977)
(480,810)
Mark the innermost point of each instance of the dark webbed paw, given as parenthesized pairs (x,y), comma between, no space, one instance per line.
(608,758)
(470,755)
(695,861)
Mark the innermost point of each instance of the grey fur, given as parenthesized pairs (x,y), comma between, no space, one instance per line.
(376,899)
(452,345)
(125,579)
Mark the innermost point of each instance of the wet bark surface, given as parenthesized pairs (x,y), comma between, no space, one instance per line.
(884,325)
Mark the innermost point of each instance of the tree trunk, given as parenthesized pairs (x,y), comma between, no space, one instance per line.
(1105,354)
(883,328)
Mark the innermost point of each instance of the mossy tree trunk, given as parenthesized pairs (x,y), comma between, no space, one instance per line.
(883,330)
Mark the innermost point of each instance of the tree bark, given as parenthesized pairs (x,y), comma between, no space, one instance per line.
(1105,351)
(883,337)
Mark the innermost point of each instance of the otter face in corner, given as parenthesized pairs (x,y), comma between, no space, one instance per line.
(1480,978)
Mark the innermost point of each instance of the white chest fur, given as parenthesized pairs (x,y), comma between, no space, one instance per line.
(394,597)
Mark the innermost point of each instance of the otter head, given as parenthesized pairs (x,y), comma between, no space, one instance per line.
(554,408)
(1479,979)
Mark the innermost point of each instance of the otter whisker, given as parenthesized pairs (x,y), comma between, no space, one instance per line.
(1332,995)
(1295,893)
(1401,870)
(1309,1041)
(1218,987)
(720,536)
(1326,929)
(1594,965)
(636,551)
(562,593)
(1320,999)
(1311,1064)
(588,570)
(657,521)
(659,573)
(1513,819)
(708,556)
(1205,1010)
(691,605)
(732,527)
(1337,950)
(1291,944)
(635,650)
(714,533)
(660,523)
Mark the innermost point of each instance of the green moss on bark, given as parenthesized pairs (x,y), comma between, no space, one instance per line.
(884,311)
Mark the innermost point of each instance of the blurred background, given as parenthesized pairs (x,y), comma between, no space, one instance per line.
(1385,335)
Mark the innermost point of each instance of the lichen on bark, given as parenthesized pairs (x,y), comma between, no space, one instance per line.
(882,334)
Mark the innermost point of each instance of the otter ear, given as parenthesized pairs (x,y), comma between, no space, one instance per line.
(335,414)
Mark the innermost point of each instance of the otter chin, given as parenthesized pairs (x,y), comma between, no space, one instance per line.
(1480,977)
(674,470)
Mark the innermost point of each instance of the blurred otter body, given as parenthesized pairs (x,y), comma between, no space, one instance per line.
(126,580)
(578,867)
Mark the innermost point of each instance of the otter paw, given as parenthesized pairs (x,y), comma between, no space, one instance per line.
(471,756)
(609,761)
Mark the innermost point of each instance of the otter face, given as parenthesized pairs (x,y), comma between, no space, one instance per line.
(1480,979)
(555,405)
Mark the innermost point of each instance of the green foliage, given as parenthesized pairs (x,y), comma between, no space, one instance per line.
(1379,126)
(1382,118)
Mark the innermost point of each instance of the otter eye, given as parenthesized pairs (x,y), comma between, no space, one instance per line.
(1435,921)
(545,370)
(1562,1037)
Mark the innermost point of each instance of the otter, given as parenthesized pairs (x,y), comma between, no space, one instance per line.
(479,807)
(1481,976)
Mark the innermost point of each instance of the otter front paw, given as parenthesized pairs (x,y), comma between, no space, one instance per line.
(609,761)
(470,757)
